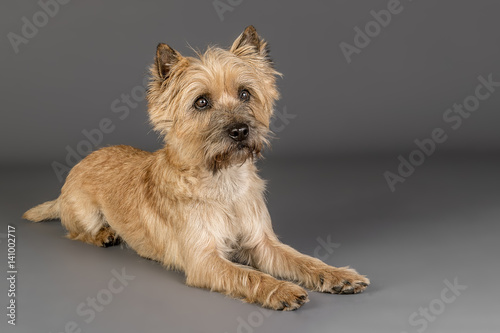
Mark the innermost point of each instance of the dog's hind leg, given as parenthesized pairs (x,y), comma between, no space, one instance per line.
(84,220)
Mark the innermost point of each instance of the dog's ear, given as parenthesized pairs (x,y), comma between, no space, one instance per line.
(249,42)
(166,58)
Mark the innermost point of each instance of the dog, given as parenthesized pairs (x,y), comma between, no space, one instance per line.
(198,205)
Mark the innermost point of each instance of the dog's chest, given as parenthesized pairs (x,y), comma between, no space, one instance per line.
(227,185)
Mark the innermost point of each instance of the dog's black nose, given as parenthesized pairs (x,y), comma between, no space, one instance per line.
(239,132)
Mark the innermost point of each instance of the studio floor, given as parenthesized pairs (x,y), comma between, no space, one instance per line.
(430,249)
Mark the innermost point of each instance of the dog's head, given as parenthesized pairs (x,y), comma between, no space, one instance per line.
(215,108)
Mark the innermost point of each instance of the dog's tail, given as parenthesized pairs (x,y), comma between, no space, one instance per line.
(47,211)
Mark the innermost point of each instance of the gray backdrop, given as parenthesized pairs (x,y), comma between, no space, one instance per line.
(360,93)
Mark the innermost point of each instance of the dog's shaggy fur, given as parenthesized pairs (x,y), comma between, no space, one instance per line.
(198,205)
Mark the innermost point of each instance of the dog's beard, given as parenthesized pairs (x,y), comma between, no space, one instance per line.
(235,153)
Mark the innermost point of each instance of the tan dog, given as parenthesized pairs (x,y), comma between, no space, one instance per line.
(198,205)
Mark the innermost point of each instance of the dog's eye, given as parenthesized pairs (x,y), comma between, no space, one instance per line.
(244,95)
(201,103)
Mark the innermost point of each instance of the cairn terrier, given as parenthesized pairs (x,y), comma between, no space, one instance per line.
(197,205)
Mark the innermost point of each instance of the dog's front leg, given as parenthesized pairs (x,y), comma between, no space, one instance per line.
(282,261)
(208,269)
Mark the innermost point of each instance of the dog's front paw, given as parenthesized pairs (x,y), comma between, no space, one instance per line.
(286,296)
(343,280)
